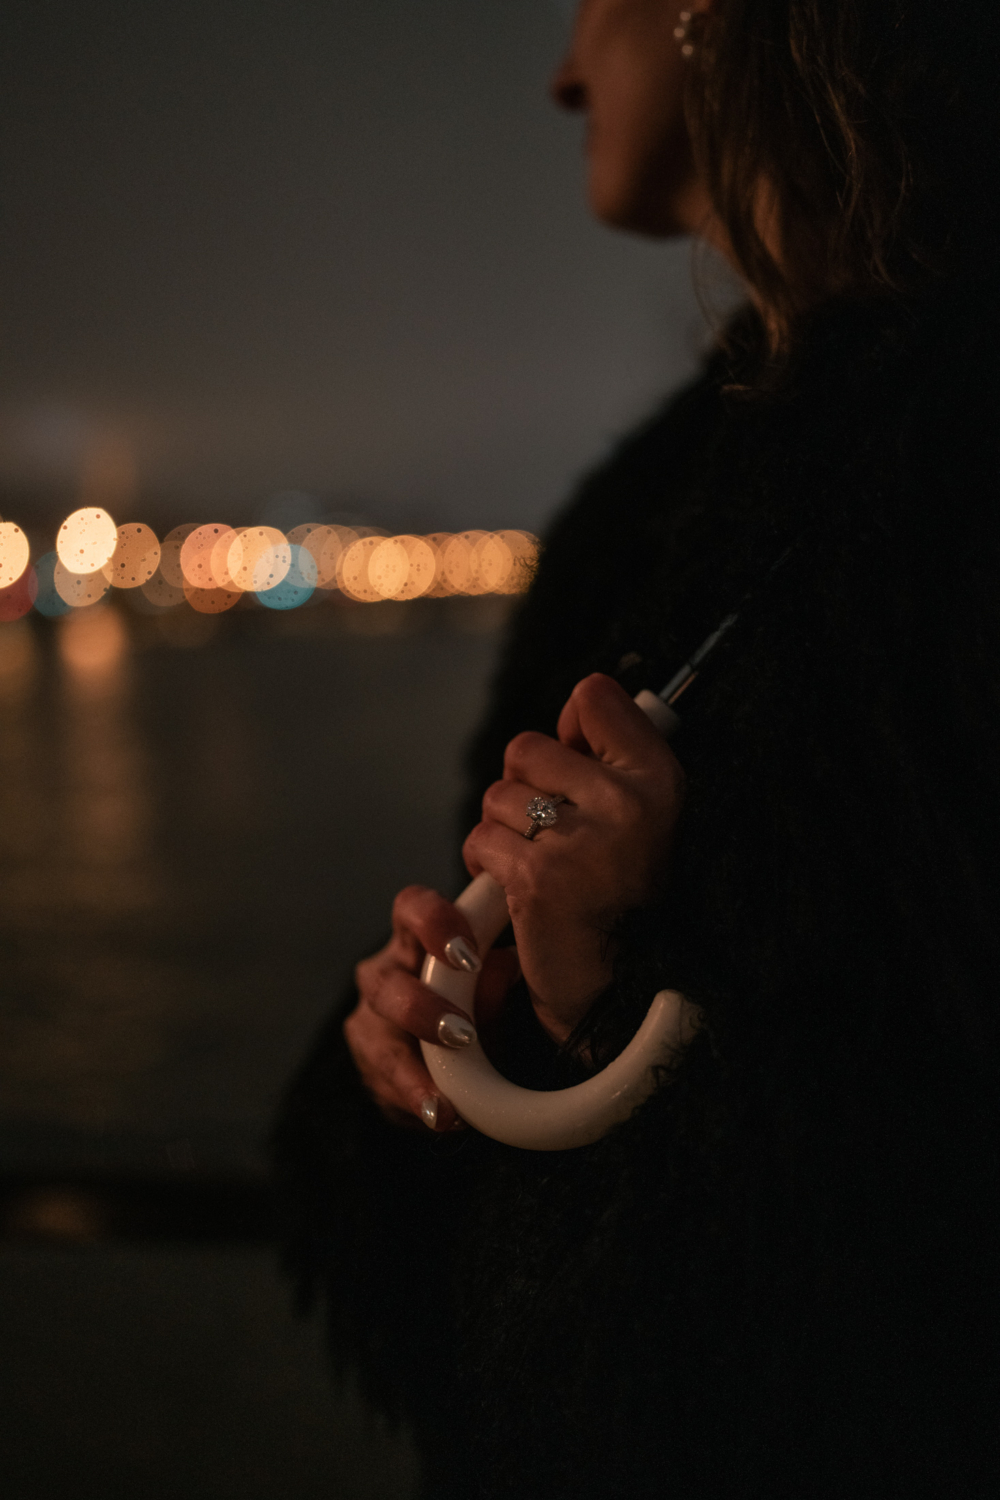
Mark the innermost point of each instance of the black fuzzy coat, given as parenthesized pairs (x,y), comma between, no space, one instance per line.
(778,1279)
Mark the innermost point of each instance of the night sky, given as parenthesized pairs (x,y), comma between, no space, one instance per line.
(336,249)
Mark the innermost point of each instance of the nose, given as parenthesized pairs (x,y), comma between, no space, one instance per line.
(567,89)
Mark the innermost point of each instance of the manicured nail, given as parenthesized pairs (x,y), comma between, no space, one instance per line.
(461,955)
(455,1031)
(429,1112)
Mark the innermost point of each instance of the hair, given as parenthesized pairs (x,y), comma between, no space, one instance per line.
(851,147)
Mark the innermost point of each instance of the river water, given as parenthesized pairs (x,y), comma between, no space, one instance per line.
(202,823)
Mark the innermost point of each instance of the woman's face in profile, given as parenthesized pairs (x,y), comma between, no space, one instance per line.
(625,71)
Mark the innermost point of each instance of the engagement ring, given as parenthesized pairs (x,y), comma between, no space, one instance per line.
(542,812)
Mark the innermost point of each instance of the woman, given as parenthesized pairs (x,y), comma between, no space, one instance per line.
(776,1279)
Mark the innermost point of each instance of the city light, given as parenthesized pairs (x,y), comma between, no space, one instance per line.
(86,541)
(14,553)
(208,568)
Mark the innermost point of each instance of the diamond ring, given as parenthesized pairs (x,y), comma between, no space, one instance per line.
(542,812)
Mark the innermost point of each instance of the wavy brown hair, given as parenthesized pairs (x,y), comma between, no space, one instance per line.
(864,133)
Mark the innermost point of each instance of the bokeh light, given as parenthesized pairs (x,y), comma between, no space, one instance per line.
(15,553)
(79,589)
(48,600)
(161,592)
(525,550)
(423,567)
(459,568)
(325,545)
(403,567)
(18,597)
(259,558)
(333,554)
(211,601)
(86,541)
(298,584)
(135,559)
(352,571)
(170,554)
(196,555)
(438,541)
(389,567)
(218,563)
(494,563)
(211,566)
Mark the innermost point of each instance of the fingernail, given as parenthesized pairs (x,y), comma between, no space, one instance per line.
(429,1112)
(461,955)
(455,1031)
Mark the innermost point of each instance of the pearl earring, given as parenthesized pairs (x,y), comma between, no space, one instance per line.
(683,34)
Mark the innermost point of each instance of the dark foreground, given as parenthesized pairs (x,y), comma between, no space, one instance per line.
(197,838)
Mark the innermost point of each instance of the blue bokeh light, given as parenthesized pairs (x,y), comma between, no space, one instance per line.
(48,601)
(298,584)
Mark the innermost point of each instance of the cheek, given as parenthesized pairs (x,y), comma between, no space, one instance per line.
(638,148)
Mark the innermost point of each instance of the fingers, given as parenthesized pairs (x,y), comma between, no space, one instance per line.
(395,1010)
(543,763)
(599,718)
(393,1071)
(399,997)
(599,723)
(423,921)
(500,851)
(506,802)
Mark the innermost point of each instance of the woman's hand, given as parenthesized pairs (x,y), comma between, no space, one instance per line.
(395,1010)
(623,788)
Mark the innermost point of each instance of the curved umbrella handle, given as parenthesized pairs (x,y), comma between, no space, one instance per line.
(559,1119)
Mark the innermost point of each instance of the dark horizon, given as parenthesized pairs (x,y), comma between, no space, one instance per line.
(338,249)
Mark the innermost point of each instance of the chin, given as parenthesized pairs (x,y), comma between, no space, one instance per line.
(649,202)
(636,214)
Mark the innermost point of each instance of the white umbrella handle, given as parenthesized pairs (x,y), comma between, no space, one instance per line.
(559,1119)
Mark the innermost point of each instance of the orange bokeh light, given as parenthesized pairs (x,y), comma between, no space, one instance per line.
(211,601)
(388,567)
(79,589)
(212,565)
(161,592)
(459,564)
(196,554)
(423,567)
(170,553)
(15,553)
(135,559)
(324,547)
(259,558)
(524,550)
(352,572)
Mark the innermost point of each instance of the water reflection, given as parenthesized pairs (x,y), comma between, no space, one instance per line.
(76,856)
(188,858)
(18,662)
(21,812)
(105,769)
